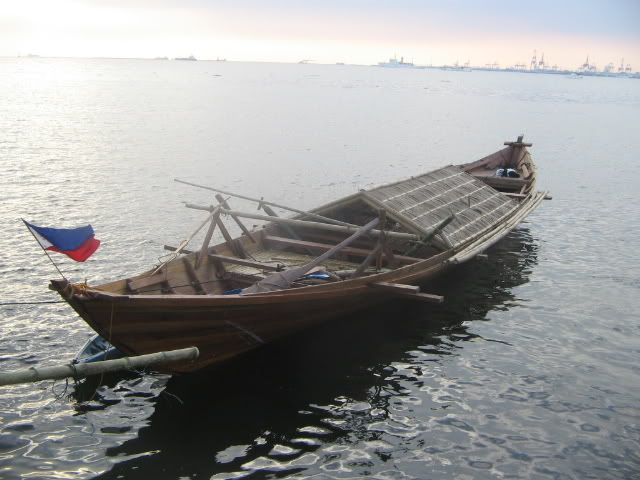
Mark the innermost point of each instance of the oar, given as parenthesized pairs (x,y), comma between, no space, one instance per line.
(283,280)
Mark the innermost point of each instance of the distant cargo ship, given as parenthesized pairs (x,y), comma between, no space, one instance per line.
(394,63)
(189,58)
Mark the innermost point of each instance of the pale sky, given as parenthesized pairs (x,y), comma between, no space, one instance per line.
(329,31)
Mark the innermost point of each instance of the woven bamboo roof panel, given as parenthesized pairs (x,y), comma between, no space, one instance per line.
(421,203)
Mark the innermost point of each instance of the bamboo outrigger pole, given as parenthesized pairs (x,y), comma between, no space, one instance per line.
(82,370)
(273,204)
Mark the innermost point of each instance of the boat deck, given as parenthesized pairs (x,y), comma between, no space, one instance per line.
(286,258)
(422,202)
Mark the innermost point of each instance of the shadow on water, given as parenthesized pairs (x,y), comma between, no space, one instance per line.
(211,423)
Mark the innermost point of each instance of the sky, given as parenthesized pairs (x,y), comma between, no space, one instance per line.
(329,31)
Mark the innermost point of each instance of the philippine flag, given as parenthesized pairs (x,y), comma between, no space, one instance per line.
(76,243)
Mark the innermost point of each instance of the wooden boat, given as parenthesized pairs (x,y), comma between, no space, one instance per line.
(250,290)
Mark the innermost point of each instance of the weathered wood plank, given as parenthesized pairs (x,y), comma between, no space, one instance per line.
(517,196)
(283,280)
(396,287)
(193,278)
(423,297)
(504,182)
(287,228)
(358,252)
(235,261)
(144,282)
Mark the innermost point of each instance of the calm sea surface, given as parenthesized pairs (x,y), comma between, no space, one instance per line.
(531,369)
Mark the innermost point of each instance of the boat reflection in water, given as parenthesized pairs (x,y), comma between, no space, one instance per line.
(276,406)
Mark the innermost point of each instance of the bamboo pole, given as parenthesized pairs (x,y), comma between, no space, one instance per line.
(82,370)
(306,223)
(264,202)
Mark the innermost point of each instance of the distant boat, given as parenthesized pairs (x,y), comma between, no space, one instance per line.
(574,76)
(394,63)
(189,58)
(218,59)
(457,67)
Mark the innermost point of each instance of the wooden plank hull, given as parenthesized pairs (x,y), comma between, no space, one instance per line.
(222,327)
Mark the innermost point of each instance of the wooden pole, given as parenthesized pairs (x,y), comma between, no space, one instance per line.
(264,202)
(225,204)
(207,238)
(292,233)
(306,223)
(407,291)
(426,240)
(82,370)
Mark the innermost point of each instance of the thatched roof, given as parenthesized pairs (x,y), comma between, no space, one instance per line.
(420,203)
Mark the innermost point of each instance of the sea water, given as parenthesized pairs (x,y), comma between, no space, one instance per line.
(530,369)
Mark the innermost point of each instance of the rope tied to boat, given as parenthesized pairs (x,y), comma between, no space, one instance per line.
(80,288)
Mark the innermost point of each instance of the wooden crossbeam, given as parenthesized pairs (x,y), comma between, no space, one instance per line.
(519,142)
(358,252)
(504,182)
(235,261)
(407,291)
(225,204)
(422,297)
(287,228)
(306,223)
(144,282)
(396,287)
(193,277)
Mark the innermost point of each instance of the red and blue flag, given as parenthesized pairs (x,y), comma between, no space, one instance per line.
(76,243)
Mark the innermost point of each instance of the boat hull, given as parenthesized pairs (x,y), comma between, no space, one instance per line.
(223,327)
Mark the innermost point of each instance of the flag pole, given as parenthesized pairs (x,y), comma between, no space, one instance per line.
(43,249)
